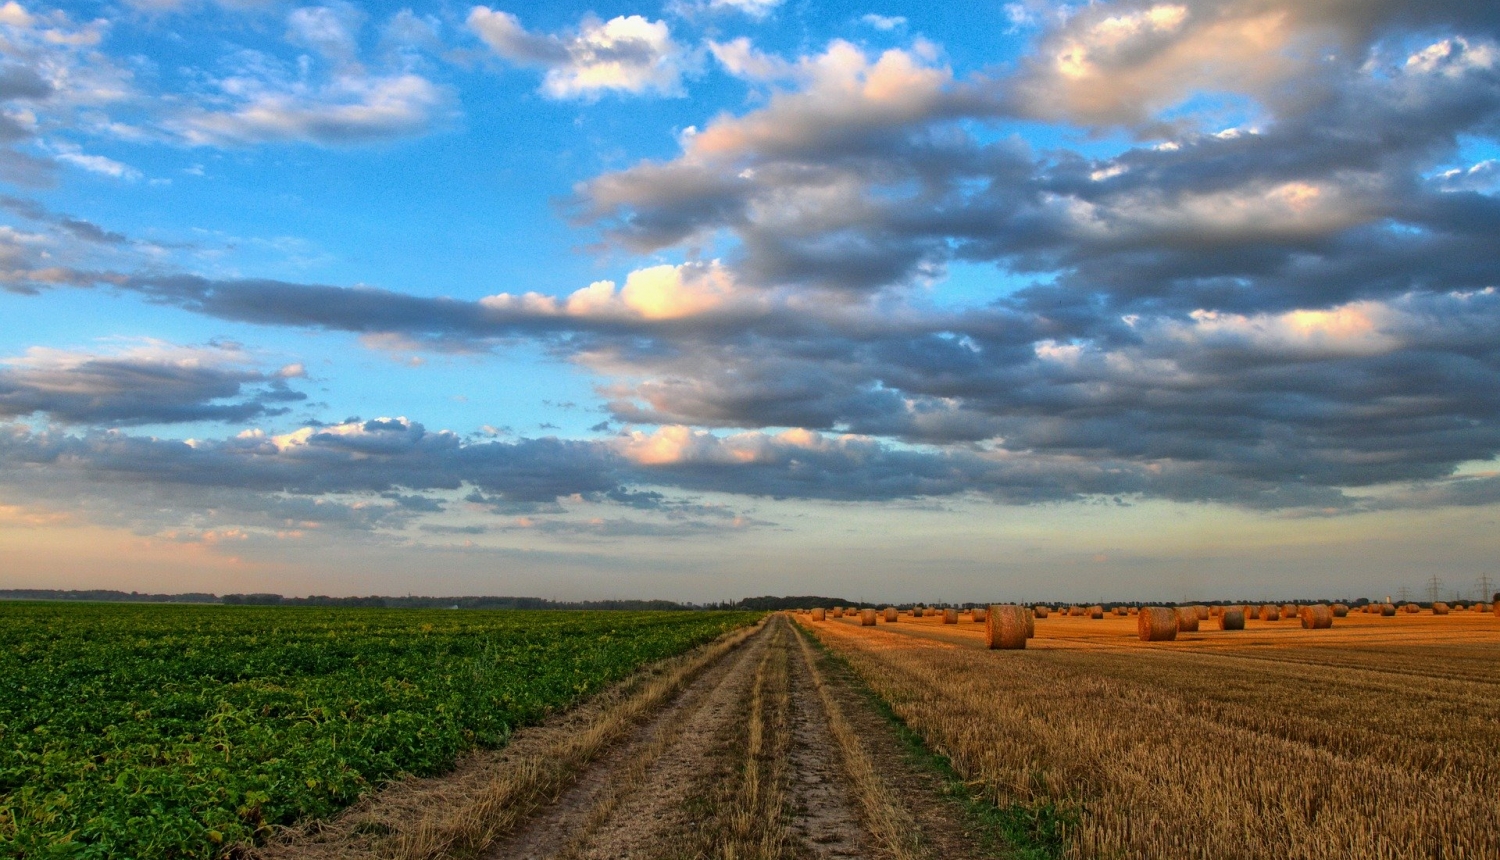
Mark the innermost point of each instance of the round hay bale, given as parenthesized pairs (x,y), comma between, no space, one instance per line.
(1339,610)
(979,614)
(950,616)
(1215,611)
(1411,609)
(1156,624)
(1005,627)
(1132,611)
(1387,610)
(1318,617)
(817,614)
(1202,612)
(1289,611)
(836,612)
(1187,619)
(1076,611)
(1096,612)
(867,618)
(1232,618)
(1270,613)
(1041,611)
(1439,608)
(891,614)
(916,612)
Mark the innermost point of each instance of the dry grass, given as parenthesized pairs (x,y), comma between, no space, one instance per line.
(1376,738)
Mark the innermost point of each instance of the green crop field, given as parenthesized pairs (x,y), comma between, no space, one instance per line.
(171,731)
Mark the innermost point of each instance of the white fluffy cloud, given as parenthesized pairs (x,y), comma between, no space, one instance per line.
(626,54)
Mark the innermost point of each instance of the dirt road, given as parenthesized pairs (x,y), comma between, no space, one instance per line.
(760,748)
(769,753)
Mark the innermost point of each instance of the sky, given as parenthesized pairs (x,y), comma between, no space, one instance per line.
(703,299)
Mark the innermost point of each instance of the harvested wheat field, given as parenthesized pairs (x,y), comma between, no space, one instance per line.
(1379,737)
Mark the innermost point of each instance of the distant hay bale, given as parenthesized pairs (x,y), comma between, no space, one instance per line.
(1041,611)
(1187,619)
(1156,624)
(1120,611)
(950,616)
(1075,611)
(1096,612)
(978,614)
(1005,627)
(1339,610)
(1270,613)
(1411,609)
(817,614)
(867,618)
(1232,618)
(916,612)
(1289,611)
(1387,610)
(1439,609)
(836,612)
(1215,611)
(1317,617)
(1132,611)
(891,614)
(1202,612)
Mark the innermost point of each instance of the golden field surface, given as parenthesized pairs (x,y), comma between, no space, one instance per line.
(1378,738)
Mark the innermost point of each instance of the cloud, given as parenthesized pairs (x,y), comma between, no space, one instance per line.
(626,54)
(340,102)
(885,23)
(151,383)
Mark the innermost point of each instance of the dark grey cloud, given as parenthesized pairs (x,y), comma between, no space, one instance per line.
(145,386)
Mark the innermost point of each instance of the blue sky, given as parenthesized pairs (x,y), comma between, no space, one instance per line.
(707,298)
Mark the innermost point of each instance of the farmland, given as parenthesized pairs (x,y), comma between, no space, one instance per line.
(170,731)
(177,732)
(1377,738)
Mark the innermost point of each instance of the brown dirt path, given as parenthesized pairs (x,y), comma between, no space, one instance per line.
(761,746)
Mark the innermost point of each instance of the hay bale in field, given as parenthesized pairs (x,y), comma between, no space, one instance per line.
(1215,611)
(1133,611)
(950,616)
(978,614)
(891,614)
(1439,608)
(1202,612)
(1096,612)
(1388,610)
(836,612)
(1187,619)
(916,612)
(1318,617)
(867,618)
(1339,610)
(1030,624)
(1005,627)
(1289,611)
(1156,624)
(1270,613)
(1041,611)
(1075,611)
(1496,606)
(1411,609)
(817,614)
(1232,618)
(1121,611)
